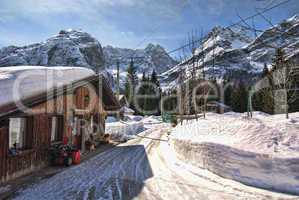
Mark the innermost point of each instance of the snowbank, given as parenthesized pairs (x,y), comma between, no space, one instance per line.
(135,118)
(126,109)
(111,119)
(21,82)
(263,151)
(152,120)
(122,131)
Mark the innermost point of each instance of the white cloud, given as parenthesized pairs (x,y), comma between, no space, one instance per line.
(116,2)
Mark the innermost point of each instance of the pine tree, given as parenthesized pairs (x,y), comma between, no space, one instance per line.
(143,77)
(282,72)
(239,99)
(131,83)
(263,99)
(154,103)
(132,73)
(279,59)
(228,91)
(154,78)
(227,95)
(143,90)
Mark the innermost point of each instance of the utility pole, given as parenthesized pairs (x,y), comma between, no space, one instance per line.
(117,86)
(117,79)
(214,43)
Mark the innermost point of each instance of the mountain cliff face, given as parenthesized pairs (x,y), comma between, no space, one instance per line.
(77,48)
(153,57)
(68,48)
(228,52)
(284,35)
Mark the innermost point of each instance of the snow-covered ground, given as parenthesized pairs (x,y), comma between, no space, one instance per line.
(150,120)
(262,151)
(142,168)
(125,130)
(267,134)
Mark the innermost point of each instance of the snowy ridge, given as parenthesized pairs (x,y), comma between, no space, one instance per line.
(68,48)
(153,57)
(236,54)
(222,39)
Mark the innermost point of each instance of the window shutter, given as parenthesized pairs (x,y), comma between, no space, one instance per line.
(60,127)
(29,132)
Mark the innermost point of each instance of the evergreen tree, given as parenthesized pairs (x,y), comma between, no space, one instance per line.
(143,79)
(143,90)
(131,83)
(282,71)
(228,95)
(228,91)
(154,103)
(279,59)
(132,73)
(154,78)
(263,99)
(239,99)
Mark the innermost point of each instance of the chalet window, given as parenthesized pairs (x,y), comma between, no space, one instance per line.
(17,133)
(20,133)
(57,128)
(86,101)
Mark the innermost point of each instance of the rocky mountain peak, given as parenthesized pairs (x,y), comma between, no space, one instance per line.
(232,52)
(152,57)
(220,39)
(151,47)
(68,48)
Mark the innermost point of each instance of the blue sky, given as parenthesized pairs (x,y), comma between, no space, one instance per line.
(127,23)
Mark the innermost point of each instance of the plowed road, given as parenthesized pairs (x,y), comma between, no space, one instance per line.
(143,168)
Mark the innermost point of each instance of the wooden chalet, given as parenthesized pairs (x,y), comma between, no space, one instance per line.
(71,112)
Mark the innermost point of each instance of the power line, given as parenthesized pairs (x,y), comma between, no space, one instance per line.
(237,23)
(242,20)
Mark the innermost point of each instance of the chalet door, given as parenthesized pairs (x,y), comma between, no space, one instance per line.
(80,132)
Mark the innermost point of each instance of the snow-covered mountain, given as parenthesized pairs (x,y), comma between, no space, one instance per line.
(77,48)
(227,51)
(68,48)
(284,35)
(153,57)
(220,40)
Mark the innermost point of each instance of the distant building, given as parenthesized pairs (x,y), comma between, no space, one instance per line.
(123,101)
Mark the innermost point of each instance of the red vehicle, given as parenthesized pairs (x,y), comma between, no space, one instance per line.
(62,154)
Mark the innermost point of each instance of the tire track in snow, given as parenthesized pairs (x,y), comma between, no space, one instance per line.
(137,169)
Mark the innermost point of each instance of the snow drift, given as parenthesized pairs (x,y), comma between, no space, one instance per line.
(263,151)
(123,131)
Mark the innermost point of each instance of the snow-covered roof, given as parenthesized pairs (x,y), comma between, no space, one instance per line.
(121,96)
(21,82)
(125,109)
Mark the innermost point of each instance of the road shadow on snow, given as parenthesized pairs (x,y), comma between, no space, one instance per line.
(118,173)
(130,169)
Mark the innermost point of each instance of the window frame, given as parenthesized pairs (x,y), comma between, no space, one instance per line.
(26,134)
(59,129)
(20,136)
